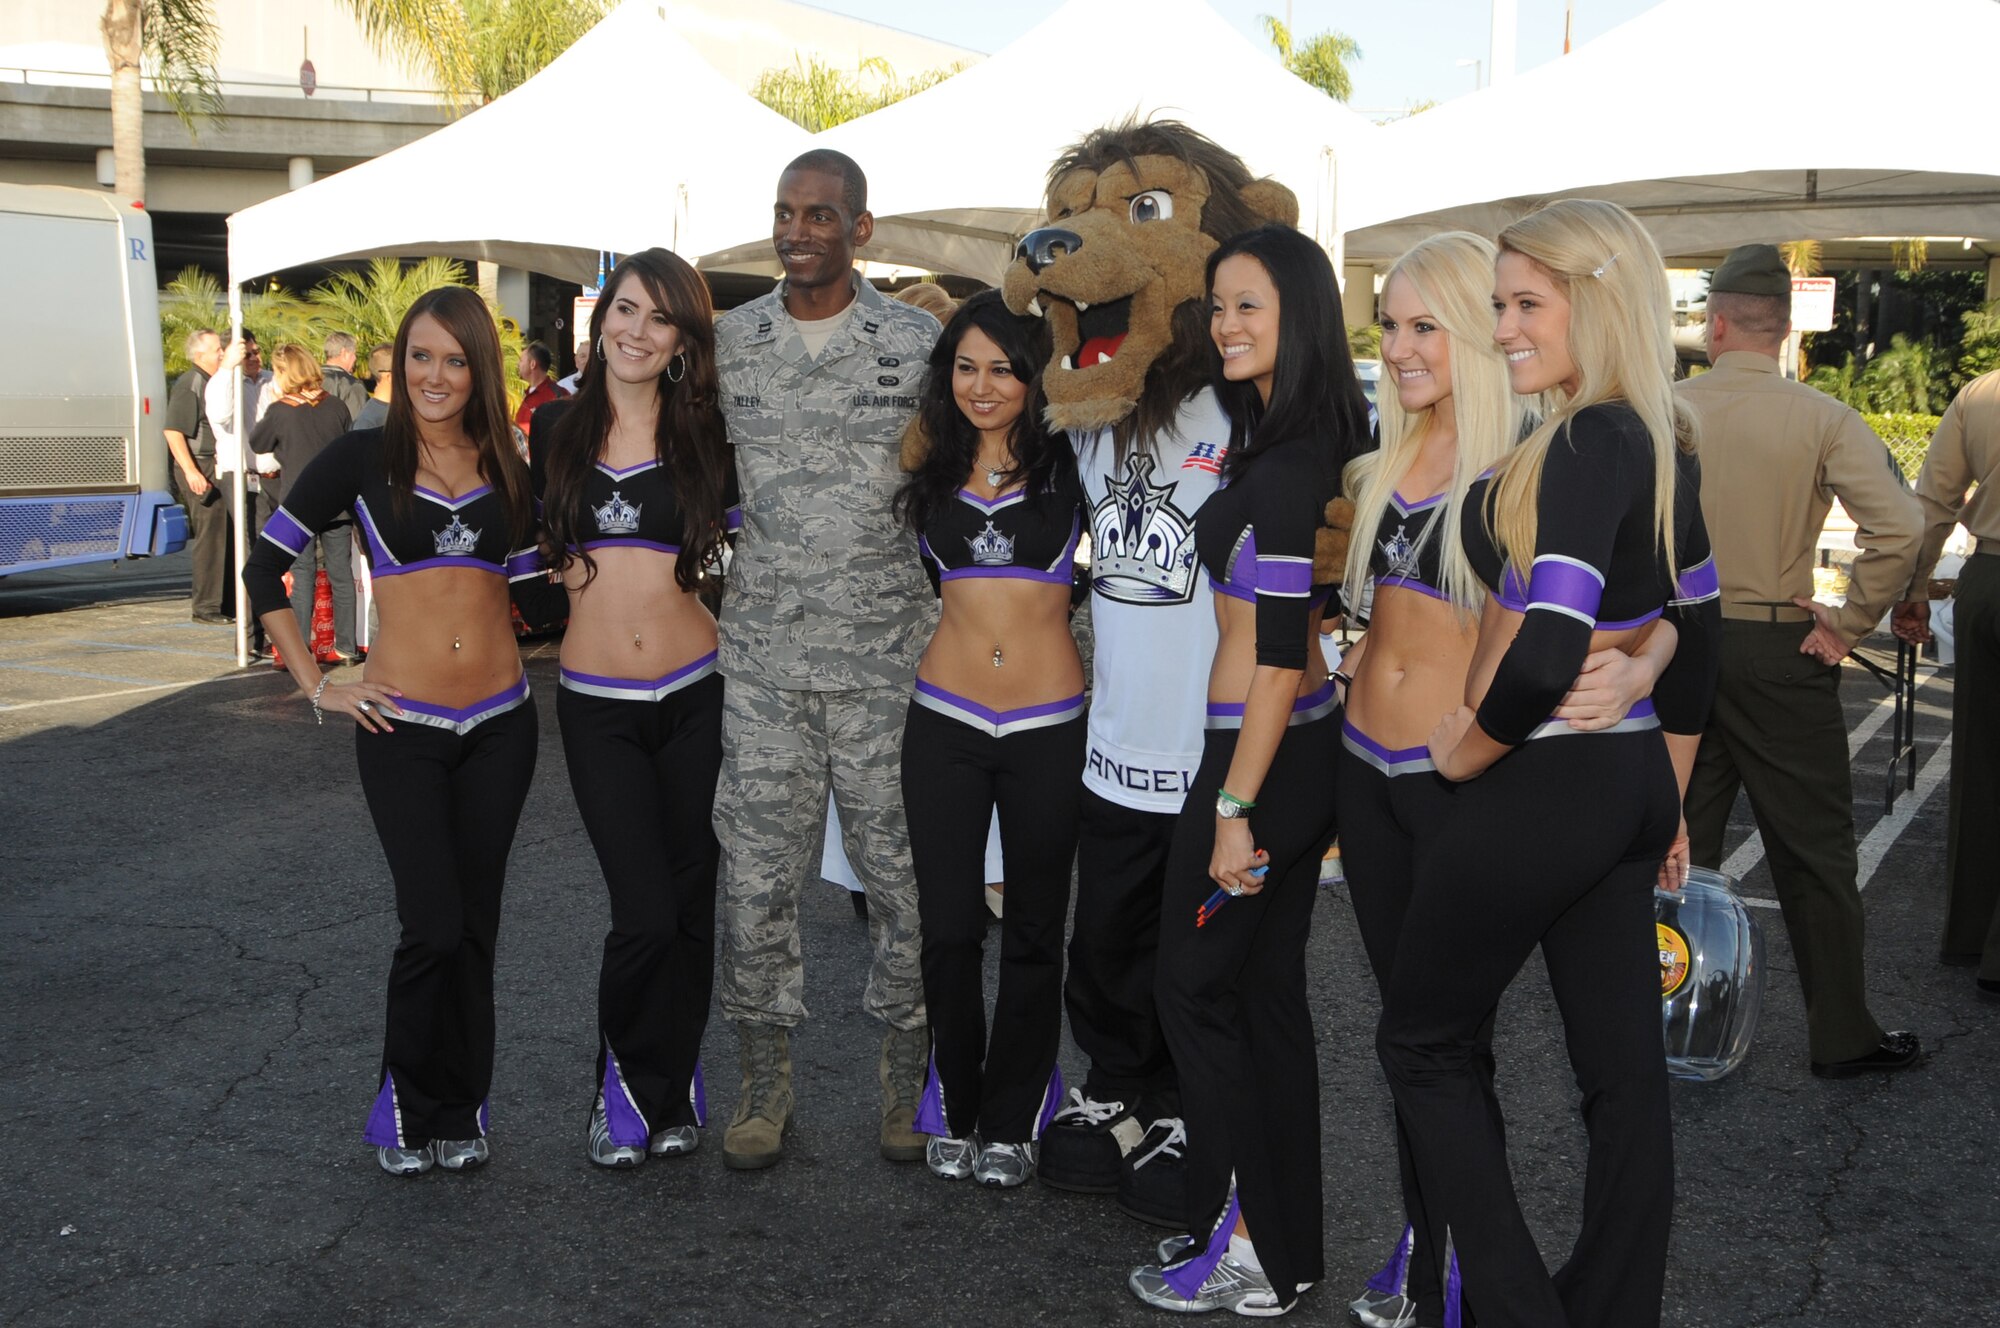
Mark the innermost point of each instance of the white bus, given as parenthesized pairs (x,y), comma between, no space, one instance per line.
(83,464)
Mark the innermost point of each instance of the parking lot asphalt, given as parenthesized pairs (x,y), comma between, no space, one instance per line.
(195,926)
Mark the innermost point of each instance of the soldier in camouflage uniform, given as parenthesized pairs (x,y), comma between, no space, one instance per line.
(826,612)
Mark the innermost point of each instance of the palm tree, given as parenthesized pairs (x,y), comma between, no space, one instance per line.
(195,299)
(816,96)
(1904,377)
(1322,61)
(370,302)
(469,48)
(177,38)
(480,49)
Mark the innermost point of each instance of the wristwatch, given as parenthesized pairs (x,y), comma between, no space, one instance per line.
(1229,809)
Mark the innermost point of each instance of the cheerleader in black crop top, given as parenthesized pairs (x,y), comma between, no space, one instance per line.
(1447,416)
(637,491)
(445,730)
(1555,838)
(996,722)
(1243,871)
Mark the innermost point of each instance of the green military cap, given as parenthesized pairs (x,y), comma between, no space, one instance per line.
(1753,269)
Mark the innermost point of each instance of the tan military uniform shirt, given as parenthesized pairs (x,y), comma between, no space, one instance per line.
(1965,451)
(1774,456)
(825,589)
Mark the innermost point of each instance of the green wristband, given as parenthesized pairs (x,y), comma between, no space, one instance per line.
(1233,800)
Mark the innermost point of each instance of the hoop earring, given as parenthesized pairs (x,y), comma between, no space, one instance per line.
(600,349)
(680,358)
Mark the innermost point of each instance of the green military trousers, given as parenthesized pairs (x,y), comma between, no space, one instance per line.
(1777,732)
(1972,854)
(781,749)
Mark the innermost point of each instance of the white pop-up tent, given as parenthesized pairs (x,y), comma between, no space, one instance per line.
(1719,122)
(675,155)
(956,174)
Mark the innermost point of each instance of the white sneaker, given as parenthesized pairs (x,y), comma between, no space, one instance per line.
(1383,1309)
(603,1151)
(674,1141)
(406,1161)
(1232,1286)
(461,1154)
(1005,1165)
(951,1159)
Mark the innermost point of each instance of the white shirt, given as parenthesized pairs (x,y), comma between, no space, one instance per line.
(1151,609)
(222,417)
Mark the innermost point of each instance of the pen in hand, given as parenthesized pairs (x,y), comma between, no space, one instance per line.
(1218,899)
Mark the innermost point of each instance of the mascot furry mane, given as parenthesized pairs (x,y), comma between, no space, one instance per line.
(1133,211)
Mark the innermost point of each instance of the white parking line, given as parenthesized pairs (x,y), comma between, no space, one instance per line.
(126,691)
(1873,848)
(1884,834)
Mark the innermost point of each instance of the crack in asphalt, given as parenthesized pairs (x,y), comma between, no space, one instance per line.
(313,983)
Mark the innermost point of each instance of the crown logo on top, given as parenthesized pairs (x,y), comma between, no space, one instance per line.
(617,517)
(1401,553)
(456,539)
(1141,545)
(991,549)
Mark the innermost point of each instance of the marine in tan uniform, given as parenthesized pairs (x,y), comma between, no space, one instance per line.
(1966,452)
(1774,455)
(824,616)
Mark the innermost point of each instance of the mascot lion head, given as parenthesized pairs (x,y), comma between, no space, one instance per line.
(1134,210)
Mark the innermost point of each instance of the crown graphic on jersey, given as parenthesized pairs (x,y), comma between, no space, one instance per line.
(991,549)
(1137,535)
(1402,554)
(456,539)
(617,517)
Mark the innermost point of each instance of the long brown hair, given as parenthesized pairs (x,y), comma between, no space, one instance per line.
(465,317)
(689,436)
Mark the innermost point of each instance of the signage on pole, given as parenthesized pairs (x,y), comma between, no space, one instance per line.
(1812,304)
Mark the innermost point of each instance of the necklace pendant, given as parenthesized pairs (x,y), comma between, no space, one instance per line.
(998,659)
(993,478)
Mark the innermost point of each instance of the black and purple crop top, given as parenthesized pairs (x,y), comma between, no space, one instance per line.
(1409,548)
(1019,535)
(1598,567)
(1256,537)
(428,530)
(634,507)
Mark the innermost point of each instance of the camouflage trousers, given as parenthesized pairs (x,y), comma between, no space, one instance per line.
(780,750)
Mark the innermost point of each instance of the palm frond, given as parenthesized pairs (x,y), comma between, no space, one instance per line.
(369,302)
(513,40)
(193,299)
(430,38)
(180,41)
(1320,60)
(1279,36)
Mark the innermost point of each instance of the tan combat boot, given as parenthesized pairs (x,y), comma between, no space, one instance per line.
(756,1136)
(904,1065)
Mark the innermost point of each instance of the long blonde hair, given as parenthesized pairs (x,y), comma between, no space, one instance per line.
(1452,276)
(1621,340)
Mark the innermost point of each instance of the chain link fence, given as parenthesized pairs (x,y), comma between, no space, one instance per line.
(1908,437)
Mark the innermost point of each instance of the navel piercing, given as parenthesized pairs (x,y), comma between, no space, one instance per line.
(635,641)
(998,660)
(455,643)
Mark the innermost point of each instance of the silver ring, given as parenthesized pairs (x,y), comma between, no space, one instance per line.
(368,706)
(1235,890)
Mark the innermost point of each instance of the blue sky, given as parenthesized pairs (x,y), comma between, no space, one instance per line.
(1409,48)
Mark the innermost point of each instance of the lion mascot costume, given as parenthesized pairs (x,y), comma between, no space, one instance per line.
(1118,271)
